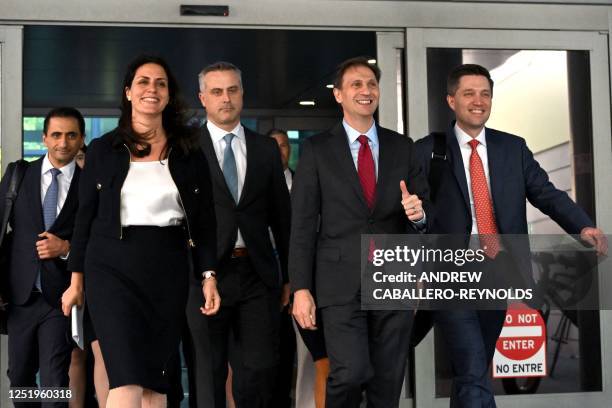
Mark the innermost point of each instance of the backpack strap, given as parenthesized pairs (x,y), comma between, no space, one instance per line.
(18,171)
(437,163)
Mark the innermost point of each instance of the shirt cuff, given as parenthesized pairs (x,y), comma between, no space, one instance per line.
(420,224)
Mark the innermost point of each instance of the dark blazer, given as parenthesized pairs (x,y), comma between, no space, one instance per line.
(264,203)
(26,223)
(107,165)
(515,177)
(330,212)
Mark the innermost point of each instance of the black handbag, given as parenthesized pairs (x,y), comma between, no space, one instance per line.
(16,170)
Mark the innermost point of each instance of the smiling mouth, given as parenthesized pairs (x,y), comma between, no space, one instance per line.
(364,101)
(477,111)
(150,100)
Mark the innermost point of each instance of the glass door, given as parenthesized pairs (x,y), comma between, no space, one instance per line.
(10,138)
(552,89)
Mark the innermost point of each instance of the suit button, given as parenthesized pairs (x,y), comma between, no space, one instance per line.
(196,190)
(99,186)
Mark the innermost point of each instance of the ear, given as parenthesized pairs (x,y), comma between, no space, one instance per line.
(450,99)
(128,94)
(202,99)
(338,95)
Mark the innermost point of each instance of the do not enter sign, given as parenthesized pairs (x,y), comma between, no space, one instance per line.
(521,348)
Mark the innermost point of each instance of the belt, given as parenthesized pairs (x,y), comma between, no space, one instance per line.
(240,252)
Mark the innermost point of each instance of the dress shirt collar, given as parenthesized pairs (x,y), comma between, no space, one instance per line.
(463,138)
(67,171)
(216,133)
(353,134)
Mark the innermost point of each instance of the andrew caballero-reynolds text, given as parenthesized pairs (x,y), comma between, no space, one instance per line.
(426,284)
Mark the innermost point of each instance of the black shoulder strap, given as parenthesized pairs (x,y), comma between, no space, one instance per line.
(18,171)
(438,162)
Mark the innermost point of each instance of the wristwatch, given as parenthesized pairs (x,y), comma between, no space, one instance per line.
(208,275)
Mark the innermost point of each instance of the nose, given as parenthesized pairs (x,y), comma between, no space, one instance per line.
(152,87)
(365,90)
(63,141)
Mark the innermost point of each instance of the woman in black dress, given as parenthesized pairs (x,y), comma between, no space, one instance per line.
(145,202)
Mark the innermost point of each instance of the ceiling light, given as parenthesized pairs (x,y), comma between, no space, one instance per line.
(307,103)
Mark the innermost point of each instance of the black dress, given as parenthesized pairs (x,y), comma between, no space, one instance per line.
(136,278)
(137,291)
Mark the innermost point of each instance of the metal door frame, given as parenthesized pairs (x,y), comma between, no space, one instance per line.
(596,43)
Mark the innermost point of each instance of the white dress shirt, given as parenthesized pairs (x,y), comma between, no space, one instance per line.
(288,178)
(240,154)
(149,196)
(466,151)
(64,178)
(354,144)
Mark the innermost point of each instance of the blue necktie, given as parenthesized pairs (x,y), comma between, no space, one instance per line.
(49,209)
(229,166)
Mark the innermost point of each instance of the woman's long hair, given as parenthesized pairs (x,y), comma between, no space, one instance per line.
(173,115)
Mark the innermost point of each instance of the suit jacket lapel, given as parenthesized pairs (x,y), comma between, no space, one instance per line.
(496,158)
(452,145)
(342,152)
(386,162)
(252,156)
(209,151)
(70,204)
(31,186)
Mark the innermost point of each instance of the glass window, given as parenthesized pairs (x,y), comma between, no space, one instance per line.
(33,146)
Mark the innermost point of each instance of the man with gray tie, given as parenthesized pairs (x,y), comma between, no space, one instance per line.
(251,197)
(41,291)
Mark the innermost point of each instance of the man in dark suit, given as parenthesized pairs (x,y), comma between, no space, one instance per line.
(348,183)
(40,287)
(251,198)
(493,174)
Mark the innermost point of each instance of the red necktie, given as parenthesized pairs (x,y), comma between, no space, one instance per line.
(485,219)
(366,171)
(367,178)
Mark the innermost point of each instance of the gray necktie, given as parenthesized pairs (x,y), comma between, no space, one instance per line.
(49,209)
(50,201)
(229,166)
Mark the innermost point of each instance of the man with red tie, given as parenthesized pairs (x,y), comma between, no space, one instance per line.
(347,183)
(493,174)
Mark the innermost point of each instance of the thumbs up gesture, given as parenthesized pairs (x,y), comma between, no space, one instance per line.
(411,203)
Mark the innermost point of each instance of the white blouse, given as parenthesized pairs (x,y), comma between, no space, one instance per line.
(149,196)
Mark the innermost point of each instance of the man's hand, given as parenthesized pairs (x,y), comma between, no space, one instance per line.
(74,294)
(411,203)
(597,238)
(304,309)
(51,246)
(285,295)
(212,300)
